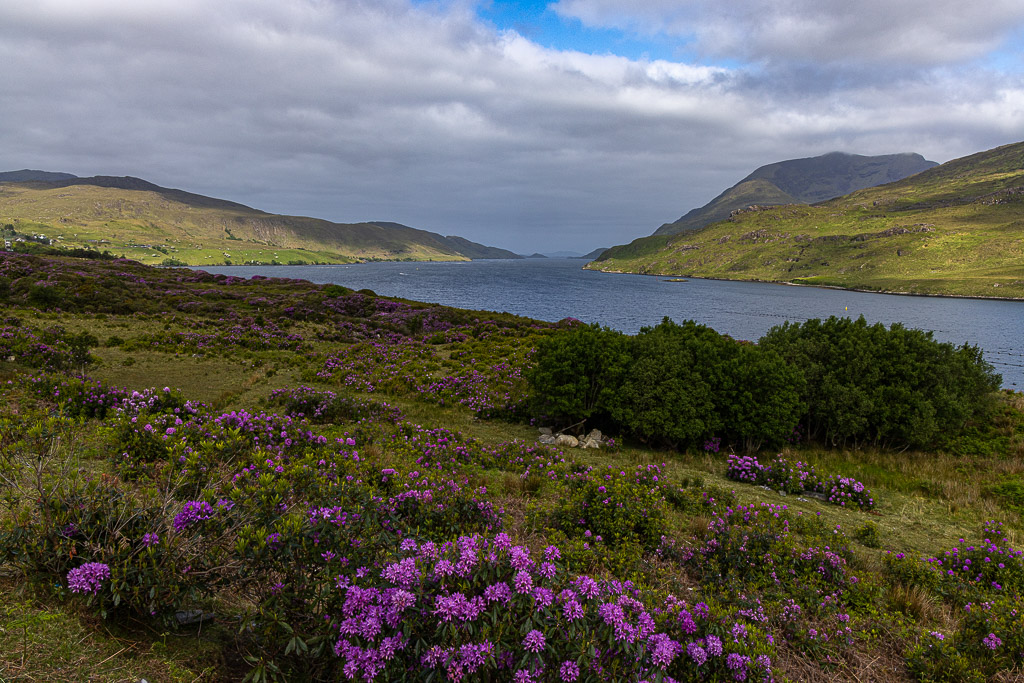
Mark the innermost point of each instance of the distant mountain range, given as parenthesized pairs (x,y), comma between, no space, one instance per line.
(954,229)
(153,224)
(802,181)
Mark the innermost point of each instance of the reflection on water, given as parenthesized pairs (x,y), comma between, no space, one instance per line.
(552,289)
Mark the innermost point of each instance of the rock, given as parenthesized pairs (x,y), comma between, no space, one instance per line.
(594,434)
(590,443)
(567,441)
(546,431)
(192,616)
(547,440)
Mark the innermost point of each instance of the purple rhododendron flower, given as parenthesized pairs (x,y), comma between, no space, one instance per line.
(534,641)
(88,578)
(194,511)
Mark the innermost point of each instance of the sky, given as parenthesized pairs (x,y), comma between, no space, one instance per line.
(533,126)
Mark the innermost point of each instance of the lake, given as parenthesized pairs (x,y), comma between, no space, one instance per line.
(552,289)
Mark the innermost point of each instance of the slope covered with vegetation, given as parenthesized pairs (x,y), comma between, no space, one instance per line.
(156,225)
(956,229)
(204,477)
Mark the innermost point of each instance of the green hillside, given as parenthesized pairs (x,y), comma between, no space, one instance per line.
(801,181)
(154,225)
(956,229)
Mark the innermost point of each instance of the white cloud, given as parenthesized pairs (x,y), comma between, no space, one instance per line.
(381,110)
(875,32)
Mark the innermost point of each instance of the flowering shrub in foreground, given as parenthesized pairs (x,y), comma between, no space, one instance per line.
(481,607)
(798,478)
(619,505)
(984,582)
(81,397)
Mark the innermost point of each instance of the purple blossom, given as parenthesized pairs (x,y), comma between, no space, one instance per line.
(88,578)
(572,610)
(498,592)
(663,649)
(569,671)
(193,511)
(534,641)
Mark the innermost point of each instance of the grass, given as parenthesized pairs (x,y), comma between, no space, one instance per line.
(43,640)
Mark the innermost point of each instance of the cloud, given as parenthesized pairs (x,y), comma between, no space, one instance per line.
(420,113)
(916,33)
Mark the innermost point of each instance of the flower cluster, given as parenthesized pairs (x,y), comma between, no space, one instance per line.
(799,477)
(193,511)
(88,578)
(456,608)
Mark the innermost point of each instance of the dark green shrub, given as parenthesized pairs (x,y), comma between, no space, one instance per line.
(764,400)
(887,386)
(675,383)
(577,372)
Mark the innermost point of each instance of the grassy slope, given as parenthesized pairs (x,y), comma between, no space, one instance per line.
(957,229)
(200,230)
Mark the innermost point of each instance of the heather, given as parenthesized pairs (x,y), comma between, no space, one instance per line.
(301,482)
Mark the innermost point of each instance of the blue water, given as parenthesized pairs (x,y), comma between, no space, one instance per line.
(552,289)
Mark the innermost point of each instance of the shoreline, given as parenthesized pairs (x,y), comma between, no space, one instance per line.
(977,297)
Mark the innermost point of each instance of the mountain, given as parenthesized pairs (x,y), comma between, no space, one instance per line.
(801,181)
(26,175)
(153,224)
(954,229)
(594,254)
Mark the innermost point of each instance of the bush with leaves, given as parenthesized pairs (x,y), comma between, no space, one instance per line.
(676,384)
(576,373)
(886,386)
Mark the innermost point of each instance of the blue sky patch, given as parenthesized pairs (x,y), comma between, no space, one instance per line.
(534,20)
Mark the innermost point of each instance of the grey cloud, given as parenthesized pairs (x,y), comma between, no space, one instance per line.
(354,111)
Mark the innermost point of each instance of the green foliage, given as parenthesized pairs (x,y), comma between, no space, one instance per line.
(869,384)
(868,535)
(137,450)
(673,383)
(674,389)
(575,373)
(1010,494)
(764,401)
(613,506)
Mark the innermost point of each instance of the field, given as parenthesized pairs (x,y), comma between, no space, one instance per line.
(210,478)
